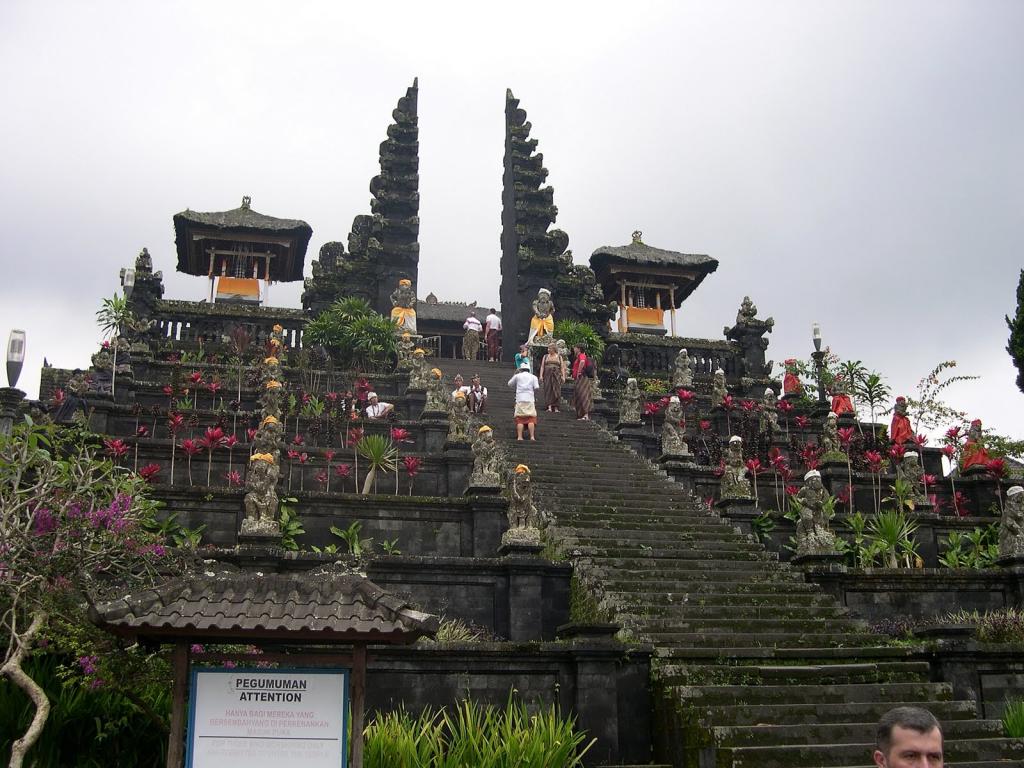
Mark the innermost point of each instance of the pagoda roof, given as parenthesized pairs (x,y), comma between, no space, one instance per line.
(286,239)
(314,607)
(685,271)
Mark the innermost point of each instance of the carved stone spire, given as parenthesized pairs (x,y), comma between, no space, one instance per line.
(384,245)
(532,256)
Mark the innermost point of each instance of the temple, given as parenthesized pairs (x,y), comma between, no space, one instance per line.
(680,511)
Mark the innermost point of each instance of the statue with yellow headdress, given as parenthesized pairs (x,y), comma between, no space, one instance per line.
(438,396)
(404,348)
(542,324)
(523,518)
(486,462)
(458,418)
(403,313)
(261,499)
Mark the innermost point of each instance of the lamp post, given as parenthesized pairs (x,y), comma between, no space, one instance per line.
(819,361)
(128,281)
(10,396)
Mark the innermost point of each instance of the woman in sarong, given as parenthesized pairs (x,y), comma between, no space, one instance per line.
(583,393)
(552,374)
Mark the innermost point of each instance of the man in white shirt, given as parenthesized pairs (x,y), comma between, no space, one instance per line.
(376,410)
(471,341)
(525,384)
(492,335)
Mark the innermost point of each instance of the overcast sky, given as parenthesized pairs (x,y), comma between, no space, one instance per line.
(859,164)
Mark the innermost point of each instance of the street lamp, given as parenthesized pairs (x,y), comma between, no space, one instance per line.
(819,361)
(128,281)
(15,356)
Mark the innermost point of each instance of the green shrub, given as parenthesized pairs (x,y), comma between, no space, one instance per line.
(475,736)
(87,728)
(1013,719)
(356,336)
(575,333)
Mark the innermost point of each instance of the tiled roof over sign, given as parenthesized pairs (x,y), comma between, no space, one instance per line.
(314,606)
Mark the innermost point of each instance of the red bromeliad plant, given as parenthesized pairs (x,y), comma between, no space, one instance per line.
(230,442)
(213,439)
(651,411)
(874,464)
(412,468)
(175,422)
(328,457)
(785,408)
(919,442)
(780,472)
(355,436)
(754,468)
(215,387)
(845,435)
(149,472)
(399,436)
(809,455)
(115,449)
(293,456)
(996,469)
(802,421)
(141,431)
(323,477)
(303,458)
(191,448)
(233,477)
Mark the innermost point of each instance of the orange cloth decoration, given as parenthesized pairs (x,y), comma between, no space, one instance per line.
(974,455)
(900,431)
(791,384)
(841,404)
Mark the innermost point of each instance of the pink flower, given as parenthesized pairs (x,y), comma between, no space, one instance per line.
(874,460)
(931,479)
(250,433)
(293,454)
(727,402)
(354,436)
(996,468)
(784,405)
(328,455)
(843,495)
(705,425)
(214,386)
(175,422)
(298,440)
(896,452)
(686,396)
(196,377)
(792,490)
(343,470)
(802,422)
(949,451)
(142,431)
(213,438)
(332,397)
(400,435)
(920,440)
(846,434)
(650,409)
(748,405)
(234,477)
(58,398)
(953,433)
(197,648)
(754,466)
(303,457)
(321,477)
(230,441)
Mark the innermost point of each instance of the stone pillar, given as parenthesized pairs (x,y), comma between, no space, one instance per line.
(525,592)
(489,520)
(458,460)
(10,399)
(597,697)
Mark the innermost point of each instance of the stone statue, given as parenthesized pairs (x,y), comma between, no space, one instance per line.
(974,453)
(405,348)
(718,388)
(770,413)
(458,418)
(486,462)
(269,437)
(403,312)
(830,435)
(563,352)
(673,433)
(682,375)
(791,384)
(1011,528)
(542,324)
(841,402)
(909,470)
(261,498)
(813,536)
(629,404)
(734,483)
(523,518)
(419,373)
(900,431)
(438,395)
(747,312)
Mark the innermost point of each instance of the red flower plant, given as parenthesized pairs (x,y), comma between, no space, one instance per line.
(322,477)
(949,451)
(149,472)
(996,468)
(175,422)
(754,466)
(142,431)
(705,425)
(920,440)
(412,468)
(748,405)
(686,396)
(931,479)
(400,435)
(328,455)
(792,490)
(293,455)
(896,452)
(196,377)
(250,433)
(727,402)
(874,461)
(298,440)
(960,504)
(843,495)
(953,434)
(343,470)
(355,435)
(58,397)
(230,442)
(215,386)
(234,477)
(191,447)
(802,422)
(846,435)
(785,406)
(115,448)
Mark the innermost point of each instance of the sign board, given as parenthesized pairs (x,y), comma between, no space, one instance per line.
(268,718)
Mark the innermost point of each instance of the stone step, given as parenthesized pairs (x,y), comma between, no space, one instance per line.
(770,735)
(691,536)
(730,639)
(803,655)
(758,674)
(799,712)
(764,626)
(693,610)
(710,595)
(672,565)
(957,752)
(667,551)
(645,578)
(704,696)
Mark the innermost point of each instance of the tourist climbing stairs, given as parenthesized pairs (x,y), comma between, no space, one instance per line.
(754,666)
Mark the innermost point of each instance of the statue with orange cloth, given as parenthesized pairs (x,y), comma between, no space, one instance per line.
(900,431)
(974,453)
(403,313)
(542,324)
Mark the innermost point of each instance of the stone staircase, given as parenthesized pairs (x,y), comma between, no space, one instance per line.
(754,666)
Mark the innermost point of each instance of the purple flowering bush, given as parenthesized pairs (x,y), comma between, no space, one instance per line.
(74,528)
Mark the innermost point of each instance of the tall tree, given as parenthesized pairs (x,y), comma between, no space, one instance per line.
(1015,344)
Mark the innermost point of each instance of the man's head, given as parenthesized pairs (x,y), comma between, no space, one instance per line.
(908,737)
(524,367)
(372,398)
(492,310)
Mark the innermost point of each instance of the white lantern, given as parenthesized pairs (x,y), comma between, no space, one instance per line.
(15,356)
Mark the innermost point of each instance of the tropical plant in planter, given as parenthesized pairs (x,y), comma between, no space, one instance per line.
(380,454)
(579,334)
(113,316)
(355,335)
